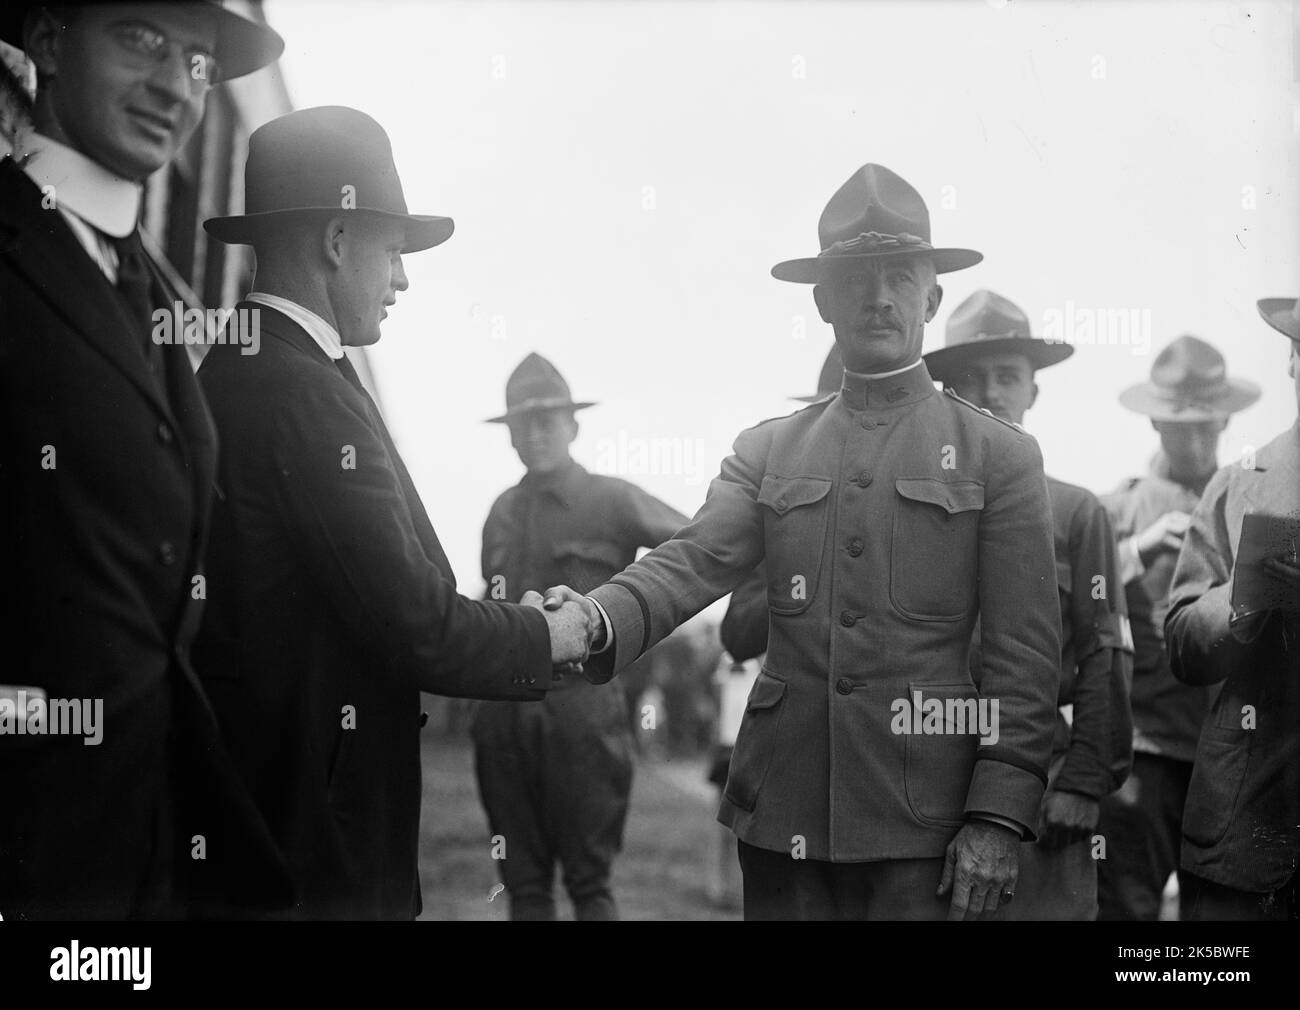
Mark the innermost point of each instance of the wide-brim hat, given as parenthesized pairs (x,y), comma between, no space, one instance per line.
(322,163)
(242,45)
(987,323)
(1189,382)
(875,213)
(831,378)
(536,385)
(1283,314)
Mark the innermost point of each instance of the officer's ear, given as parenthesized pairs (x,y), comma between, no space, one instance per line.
(932,300)
(822,297)
(570,427)
(1033,393)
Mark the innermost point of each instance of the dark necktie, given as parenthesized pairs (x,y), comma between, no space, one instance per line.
(135,286)
(350,373)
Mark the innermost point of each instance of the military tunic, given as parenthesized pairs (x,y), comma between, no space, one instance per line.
(889,518)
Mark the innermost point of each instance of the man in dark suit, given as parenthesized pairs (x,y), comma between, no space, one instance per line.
(106,459)
(1241,825)
(990,357)
(889,518)
(332,603)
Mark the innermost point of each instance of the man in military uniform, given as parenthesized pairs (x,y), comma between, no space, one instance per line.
(990,358)
(890,518)
(554,778)
(1241,828)
(1188,399)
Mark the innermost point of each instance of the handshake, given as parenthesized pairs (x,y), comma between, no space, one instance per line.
(574,622)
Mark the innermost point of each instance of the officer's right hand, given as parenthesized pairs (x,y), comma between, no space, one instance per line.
(1165,534)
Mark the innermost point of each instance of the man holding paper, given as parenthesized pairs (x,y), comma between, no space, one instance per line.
(1241,826)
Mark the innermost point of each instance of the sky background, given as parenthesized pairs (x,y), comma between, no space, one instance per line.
(624,175)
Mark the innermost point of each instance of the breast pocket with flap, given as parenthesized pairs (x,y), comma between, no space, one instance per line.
(935,549)
(794,532)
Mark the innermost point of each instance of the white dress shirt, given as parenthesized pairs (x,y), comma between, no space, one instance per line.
(327,338)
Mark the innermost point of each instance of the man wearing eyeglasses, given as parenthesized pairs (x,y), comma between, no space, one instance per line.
(107,453)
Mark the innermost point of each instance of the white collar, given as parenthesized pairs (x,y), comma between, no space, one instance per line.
(81,185)
(885,375)
(326,337)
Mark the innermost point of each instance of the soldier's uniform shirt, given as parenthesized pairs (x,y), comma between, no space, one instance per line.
(889,518)
(1142,821)
(1167,715)
(554,777)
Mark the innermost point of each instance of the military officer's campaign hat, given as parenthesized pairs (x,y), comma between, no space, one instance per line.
(986,323)
(242,45)
(831,378)
(1190,382)
(323,162)
(534,385)
(875,213)
(1283,314)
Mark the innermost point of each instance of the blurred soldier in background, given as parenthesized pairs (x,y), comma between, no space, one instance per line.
(554,778)
(1241,828)
(1188,399)
(108,454)
(990,358)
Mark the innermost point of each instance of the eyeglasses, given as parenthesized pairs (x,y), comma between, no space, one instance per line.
(148,48)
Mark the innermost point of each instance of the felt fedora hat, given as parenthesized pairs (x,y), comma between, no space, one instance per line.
(1283,314)
(534,385)
(1189,382)
(830,379)
(242,45)
(987,323)
(323,162)
(875,213)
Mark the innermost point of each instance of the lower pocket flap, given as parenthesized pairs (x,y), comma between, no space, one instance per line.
(767,692)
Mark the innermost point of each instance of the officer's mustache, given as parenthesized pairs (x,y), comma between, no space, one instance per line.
(886,321)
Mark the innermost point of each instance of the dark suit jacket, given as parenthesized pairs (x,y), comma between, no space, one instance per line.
(331,605)
(100,553)
(888,518)
(1241,824)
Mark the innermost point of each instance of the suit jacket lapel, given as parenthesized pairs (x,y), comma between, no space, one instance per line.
(42,247)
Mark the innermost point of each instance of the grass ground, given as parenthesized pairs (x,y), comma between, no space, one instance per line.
(661,873)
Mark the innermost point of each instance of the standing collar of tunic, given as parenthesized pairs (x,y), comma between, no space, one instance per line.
(558,483)
(899,389)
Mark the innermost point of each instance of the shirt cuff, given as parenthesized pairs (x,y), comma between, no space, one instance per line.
(1130,562)
(1006,822)
(609,630)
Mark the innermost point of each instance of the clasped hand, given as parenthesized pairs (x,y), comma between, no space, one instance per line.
(574,623)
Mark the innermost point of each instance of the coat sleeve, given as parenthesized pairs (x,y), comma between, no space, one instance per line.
(1100,753)
(702,563)
(744,628)
(1198,634)
(340,491)
(1020,636)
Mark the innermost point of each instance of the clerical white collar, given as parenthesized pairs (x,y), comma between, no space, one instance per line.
(884,375)
(326,337)
(81,185)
